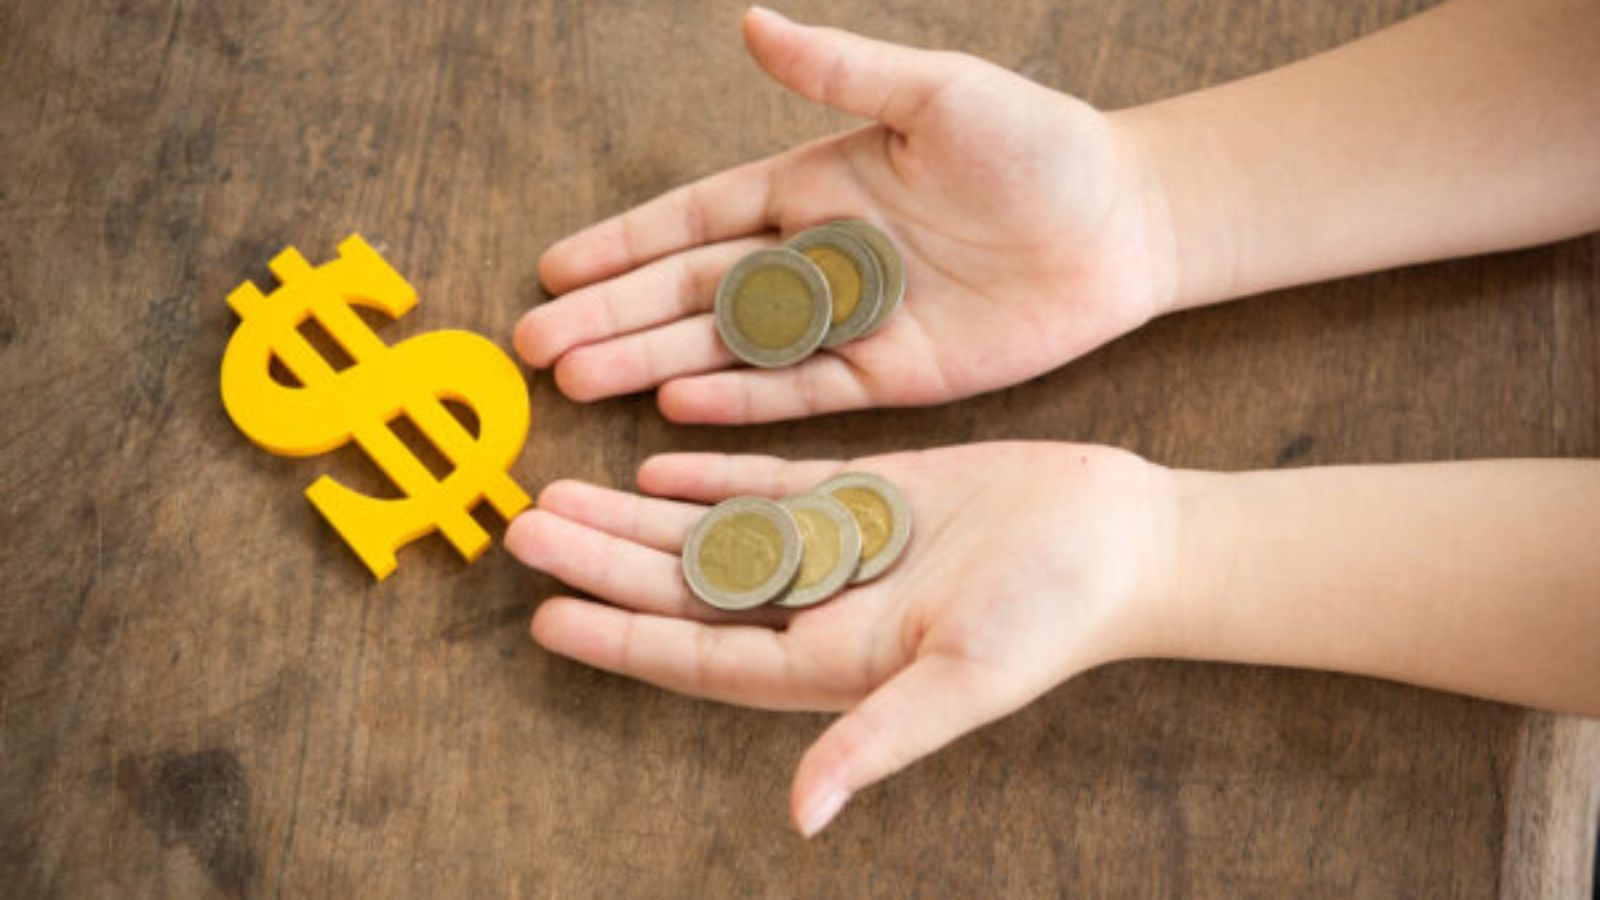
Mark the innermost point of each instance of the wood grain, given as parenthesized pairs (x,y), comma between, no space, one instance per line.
(203,694)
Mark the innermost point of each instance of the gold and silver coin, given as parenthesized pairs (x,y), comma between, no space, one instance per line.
(745,552)
(830,543)
(831,285)
(773,308)
(882,514)
(891,269)
(855,278)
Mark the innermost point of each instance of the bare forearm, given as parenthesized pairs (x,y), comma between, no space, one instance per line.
(1472,127)
(1481,578)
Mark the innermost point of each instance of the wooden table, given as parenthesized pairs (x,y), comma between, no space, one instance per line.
(203,693)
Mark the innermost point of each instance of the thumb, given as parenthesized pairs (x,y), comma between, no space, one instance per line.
(850,73)
(927,705)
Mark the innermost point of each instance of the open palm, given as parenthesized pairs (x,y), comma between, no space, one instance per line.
(1021,214)
(1012,583)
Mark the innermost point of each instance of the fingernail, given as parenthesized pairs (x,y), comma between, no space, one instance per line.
(760,10)
(822,812)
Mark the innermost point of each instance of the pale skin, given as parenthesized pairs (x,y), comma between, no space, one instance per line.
(1034,229)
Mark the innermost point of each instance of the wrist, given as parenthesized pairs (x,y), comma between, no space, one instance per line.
(1195,549)
(1177,166)
(1144,628)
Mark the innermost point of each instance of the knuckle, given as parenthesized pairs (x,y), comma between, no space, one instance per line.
(693,212)
(705,652)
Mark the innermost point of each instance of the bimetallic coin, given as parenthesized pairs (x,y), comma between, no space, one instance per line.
(745,552)
(830,543)
(889,262)
(773,308)
(882,513)
(855,278)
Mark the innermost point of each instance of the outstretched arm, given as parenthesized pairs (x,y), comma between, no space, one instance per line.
(1035,227)
(1481,578)
(1472,127)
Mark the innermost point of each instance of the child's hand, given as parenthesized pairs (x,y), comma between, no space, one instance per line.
(1027,228)
(1027,564)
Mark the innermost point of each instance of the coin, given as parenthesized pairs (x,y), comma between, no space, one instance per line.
(773,308)
(855,278)
(890,265)
(830,543)
(743,553)
(882,513)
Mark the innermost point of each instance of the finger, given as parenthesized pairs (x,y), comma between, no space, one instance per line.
(713,477)
(927,705)
(616,570)
(727,205)
(740,664)
(636,362)
(822,384)
(608,567)
(658,524)
(663,291)
(883,81)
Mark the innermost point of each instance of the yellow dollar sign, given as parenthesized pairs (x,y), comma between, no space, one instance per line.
(332,407)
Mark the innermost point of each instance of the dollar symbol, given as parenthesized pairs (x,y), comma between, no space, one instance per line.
(332,407)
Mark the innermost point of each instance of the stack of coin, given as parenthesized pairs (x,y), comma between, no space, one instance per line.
(798,552)
(828,286)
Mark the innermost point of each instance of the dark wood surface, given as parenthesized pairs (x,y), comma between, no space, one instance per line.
(202,693)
